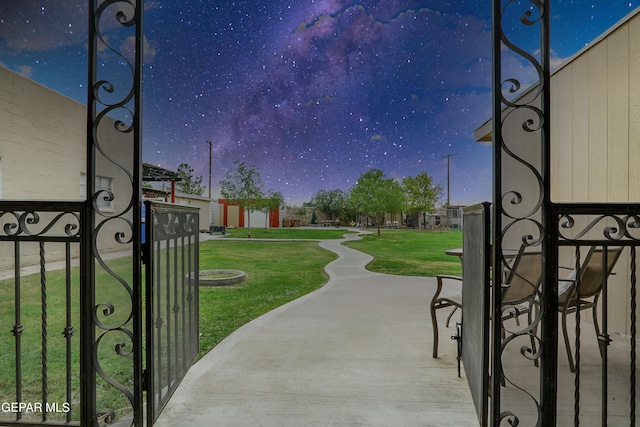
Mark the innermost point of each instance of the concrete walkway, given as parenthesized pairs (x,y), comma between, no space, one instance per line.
(356,352)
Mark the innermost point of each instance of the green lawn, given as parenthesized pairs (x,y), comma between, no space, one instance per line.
(288,233)
(411,252)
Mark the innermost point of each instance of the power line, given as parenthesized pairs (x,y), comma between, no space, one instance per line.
(210,155)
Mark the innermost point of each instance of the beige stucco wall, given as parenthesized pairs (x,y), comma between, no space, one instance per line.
(42,139)
(203,204)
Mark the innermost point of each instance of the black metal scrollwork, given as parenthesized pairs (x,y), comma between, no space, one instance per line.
(607,227)
(114,101)
(31,223)
(520,208)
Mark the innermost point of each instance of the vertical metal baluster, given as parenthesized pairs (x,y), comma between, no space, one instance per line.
(43,303)
(68,330)
(604,335)
(576,402)
(192,283)
(176,309)
(196,303)
(632,411)
(168,303)
(159,321)
(17,327)
(185,273)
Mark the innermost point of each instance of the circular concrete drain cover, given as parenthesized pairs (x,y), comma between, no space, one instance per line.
(221,277)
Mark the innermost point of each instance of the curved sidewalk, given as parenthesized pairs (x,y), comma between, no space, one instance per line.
(356,352)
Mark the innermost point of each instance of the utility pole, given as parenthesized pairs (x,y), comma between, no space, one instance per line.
(448,157)
(210,155)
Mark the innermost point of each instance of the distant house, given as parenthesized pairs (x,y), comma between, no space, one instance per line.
(230,215)
(450,217)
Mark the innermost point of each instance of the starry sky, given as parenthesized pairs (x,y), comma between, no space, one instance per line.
(312,92)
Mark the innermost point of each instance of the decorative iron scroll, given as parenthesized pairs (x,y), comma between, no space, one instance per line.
(35,224)
(114,151)
(612,228)
(520,123)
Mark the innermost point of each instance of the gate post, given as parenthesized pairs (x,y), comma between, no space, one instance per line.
(522,216)
(114,122)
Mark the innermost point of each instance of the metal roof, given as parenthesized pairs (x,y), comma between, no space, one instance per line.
(156,173)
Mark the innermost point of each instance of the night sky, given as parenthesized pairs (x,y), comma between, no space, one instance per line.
(313,92)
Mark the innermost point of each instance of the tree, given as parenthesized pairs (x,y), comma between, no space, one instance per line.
(243,186)
(422,194)
(188,184)
(375,195)
(330,202)
(272,201)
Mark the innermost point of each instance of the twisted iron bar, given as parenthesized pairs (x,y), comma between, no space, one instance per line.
(634,316)
(44,338)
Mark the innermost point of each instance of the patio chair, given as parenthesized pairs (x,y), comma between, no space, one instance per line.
(582,290)
(519,288)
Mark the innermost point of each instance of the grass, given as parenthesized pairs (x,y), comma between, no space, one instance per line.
(288,233)
(119,367)
(411,252)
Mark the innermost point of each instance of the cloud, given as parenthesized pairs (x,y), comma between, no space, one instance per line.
(37,26)
(148,49)
(26,71)
(317,101)
(377,138)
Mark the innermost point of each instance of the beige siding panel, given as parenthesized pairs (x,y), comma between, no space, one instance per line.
(634,110)
(565,133)
(580,130)
(618,116)
(598,123)
(618,155)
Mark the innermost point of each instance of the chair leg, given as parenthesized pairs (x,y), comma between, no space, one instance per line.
(434,323)
(532,336)
(566,341)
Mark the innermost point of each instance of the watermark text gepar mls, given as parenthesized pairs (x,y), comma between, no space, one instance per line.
(36,407)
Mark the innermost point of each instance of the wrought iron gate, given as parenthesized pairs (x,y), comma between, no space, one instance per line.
(171,300)
(475,311)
